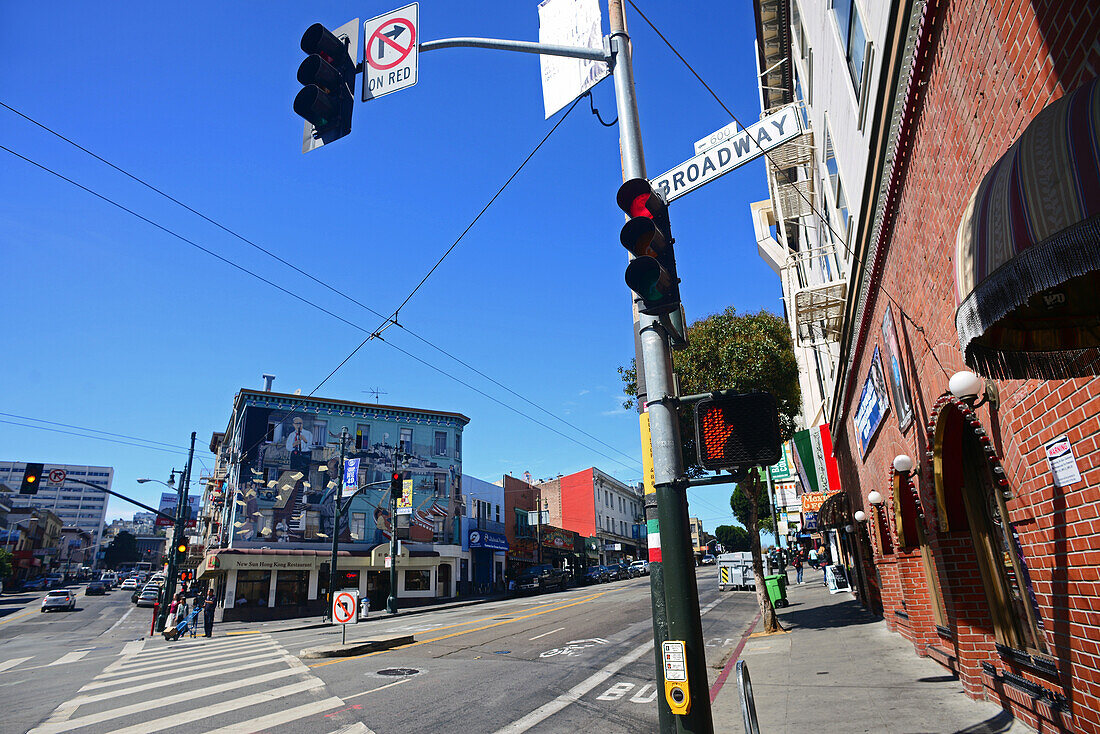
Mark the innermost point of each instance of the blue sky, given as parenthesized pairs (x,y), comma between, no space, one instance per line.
(116,326)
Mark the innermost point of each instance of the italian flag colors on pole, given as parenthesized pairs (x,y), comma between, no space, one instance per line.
(653,537)
(816,464)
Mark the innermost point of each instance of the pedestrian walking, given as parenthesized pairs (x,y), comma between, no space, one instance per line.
(183,611)
(208,608)
(797,561)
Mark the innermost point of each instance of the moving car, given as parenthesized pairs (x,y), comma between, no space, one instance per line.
(640,568)
(59,599)
(148,597)
(97,588)
(36,584)
(109,577)
(707,560)
(129,584)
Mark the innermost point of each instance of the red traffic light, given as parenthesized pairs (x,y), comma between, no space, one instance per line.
(647,235)
(737,430)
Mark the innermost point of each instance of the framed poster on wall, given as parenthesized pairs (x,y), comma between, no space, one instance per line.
(899,386)
(873,404)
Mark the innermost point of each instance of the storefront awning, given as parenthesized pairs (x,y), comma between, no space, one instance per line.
(834,511)
(1027,266)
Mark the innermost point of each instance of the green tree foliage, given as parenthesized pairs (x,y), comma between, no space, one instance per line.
(5,564)
(123,549)
(728,351)
(733,538)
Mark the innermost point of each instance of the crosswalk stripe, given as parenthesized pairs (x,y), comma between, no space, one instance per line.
(279,717)
(140,663)
(171,669)
(204,712)
(201,643)
(13,662)
(151,684)
(58,723)
(70,657)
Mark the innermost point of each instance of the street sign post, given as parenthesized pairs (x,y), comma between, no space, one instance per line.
(345,609)
(391,52)
(57,476)
(729,150)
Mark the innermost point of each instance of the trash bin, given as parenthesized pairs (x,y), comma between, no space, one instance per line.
(777,589)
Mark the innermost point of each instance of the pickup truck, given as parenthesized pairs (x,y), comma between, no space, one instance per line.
(542,577)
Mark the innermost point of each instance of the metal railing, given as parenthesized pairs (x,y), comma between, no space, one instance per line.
(748,703)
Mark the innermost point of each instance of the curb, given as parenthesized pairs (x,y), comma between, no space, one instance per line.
(356,648)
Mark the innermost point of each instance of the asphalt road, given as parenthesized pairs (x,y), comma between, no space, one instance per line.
(578,660)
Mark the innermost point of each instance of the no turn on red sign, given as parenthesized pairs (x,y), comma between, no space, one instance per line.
(392,51)
(345,607)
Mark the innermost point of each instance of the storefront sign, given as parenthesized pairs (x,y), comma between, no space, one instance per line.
(809,521)
(486,539)
(1063,464)
(812,501)
(782,470)
(786,494)
(557,539)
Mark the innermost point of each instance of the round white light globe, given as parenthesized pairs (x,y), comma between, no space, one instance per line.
(903,464)
(874,497)
(964,385)
(860,515)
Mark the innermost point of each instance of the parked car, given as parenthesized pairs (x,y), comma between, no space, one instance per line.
(640,568)
(595,575)
(138,592)
(148,597)
(59,599)
(36,584)
(622,570)
(541,578)
(129,584)
(707,560)
(96,588)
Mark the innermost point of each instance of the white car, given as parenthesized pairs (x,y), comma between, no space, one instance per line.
(59,599)
(129,584)
(639,568)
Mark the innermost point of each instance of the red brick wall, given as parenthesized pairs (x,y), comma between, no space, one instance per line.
(993,65)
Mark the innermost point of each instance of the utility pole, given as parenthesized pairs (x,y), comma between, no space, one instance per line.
(178,531)
(391,600)
(681,593)
(336,521)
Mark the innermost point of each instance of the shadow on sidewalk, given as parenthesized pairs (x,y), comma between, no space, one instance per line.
(809,615)
(1002,722)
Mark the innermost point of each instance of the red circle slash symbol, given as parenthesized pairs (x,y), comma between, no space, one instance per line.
(343,608)
(377,43)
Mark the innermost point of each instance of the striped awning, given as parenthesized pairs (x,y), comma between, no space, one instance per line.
(1027,266)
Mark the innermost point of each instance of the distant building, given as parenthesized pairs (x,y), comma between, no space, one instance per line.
(596,505)
(482,536)
(33,536)
(266,518)
(77,505)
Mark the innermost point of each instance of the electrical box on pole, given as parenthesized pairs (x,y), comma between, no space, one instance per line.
(327,98)
(647,235)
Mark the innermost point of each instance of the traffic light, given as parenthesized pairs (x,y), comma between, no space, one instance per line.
(395,484)
(652,272)
(181,550)
(32,477)
(737,431)
(327,75)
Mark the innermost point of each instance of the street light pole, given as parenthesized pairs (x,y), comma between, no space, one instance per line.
(391,600)
(178,531)
(336,522)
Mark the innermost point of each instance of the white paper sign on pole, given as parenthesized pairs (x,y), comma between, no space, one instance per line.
(569,23)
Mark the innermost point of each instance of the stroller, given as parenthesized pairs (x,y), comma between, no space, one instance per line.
(185,625)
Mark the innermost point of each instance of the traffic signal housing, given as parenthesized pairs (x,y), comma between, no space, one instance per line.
(647,235)
(32,478)
(737,431)
(327,98)
(395,484)
(181,549)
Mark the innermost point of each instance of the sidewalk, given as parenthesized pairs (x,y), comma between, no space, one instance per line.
(838,669)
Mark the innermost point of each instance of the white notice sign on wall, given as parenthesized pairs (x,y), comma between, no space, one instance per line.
(1063,464)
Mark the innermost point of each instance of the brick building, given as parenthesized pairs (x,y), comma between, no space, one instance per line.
(976,250)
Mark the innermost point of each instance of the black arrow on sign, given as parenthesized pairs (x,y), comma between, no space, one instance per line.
(397,31)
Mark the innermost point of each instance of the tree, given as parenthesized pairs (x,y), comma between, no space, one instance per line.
(727,351)
(740,504)
(733,538)
(123,549)
(5,564)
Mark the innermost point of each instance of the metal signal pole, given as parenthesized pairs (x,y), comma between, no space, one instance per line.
(681,593)
(336,522)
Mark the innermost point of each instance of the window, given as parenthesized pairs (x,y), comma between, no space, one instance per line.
(498,513)
(440,485)
(358,527)
(852,39)
(406,439)
(362,436)
(418,580)
(458,445)
(840,200)
(440,448)
(291,587)
(253,588)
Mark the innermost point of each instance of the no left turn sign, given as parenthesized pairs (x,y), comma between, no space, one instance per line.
(392,51)
(345,607)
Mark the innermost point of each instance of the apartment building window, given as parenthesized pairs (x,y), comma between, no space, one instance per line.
(458,445)
(853,39)
(362,436)
(406,439)
(440,448)
(840,199)
(358,526)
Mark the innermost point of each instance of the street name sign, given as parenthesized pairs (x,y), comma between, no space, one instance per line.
(345,607)
(391,52)
(728,153)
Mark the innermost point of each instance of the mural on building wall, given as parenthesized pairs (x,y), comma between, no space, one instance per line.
(289,474)
(873,404)
(898,384)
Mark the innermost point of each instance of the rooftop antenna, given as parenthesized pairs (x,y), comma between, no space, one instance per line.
(376,391)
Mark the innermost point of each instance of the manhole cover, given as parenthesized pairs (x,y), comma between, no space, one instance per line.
(398,671)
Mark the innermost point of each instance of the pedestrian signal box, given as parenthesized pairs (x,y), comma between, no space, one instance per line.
(674,659)
(737,430)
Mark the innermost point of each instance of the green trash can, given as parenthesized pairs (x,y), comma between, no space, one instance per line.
(777,589)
